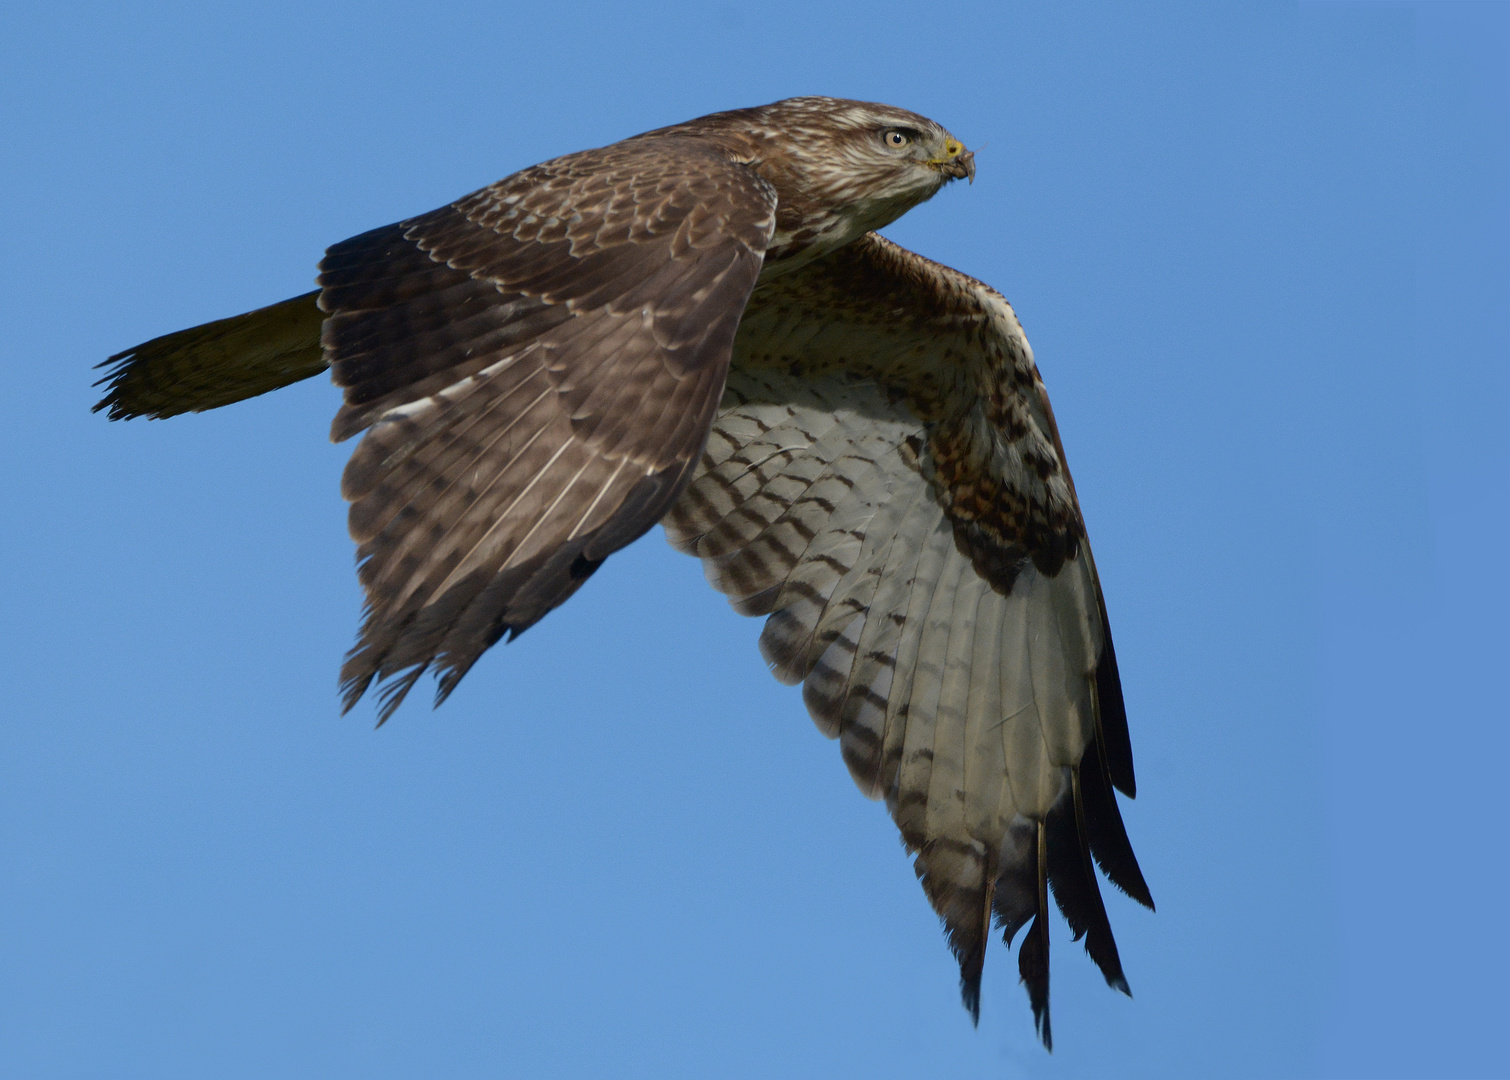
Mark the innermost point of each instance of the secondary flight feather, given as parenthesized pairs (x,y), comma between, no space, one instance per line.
(698,326)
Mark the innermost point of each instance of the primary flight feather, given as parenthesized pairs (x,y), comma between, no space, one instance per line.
(698,326)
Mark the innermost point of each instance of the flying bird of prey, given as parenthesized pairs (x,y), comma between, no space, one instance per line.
(698,326)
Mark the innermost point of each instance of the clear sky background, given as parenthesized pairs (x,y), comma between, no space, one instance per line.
(1261,251)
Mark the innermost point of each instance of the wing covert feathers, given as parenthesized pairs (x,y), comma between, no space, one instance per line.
(883,482)
(535,367)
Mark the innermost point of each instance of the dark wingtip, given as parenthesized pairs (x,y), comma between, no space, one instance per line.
(353,685)
(1113,716)
(1033,970)
(969,992)
(1033,956)
(445,684)
(1105,830)
(1073,879)
(392,694)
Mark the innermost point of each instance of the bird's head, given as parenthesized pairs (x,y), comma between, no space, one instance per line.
(840,152)
(840,168)
(888,147)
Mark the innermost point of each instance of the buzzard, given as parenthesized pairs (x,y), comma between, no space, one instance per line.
(699,326)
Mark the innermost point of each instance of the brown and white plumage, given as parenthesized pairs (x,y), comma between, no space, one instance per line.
(698,326)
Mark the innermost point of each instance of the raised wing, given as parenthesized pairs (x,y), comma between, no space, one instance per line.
(536,366)
(884,482)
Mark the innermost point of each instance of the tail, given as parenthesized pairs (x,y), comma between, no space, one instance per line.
(218,363)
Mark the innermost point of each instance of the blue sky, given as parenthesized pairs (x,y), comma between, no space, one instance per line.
(1261,251)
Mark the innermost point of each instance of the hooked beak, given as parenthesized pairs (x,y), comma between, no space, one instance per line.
(956,163)
(962,167)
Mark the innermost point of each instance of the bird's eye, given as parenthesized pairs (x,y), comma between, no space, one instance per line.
(894,138)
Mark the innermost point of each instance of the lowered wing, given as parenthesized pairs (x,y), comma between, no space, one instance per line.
(884,483)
